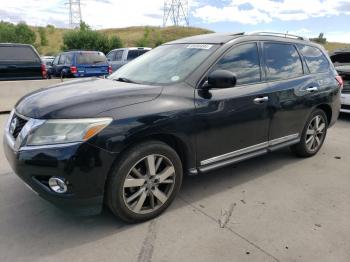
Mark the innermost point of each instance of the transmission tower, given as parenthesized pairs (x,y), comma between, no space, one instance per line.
(176,12)
(74,13)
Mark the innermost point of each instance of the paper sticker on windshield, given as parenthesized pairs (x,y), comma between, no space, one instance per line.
(199,46)
(175,78)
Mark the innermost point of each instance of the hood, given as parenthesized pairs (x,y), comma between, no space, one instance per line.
(83,98)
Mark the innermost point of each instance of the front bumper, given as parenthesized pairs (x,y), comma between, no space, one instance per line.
(84,166)
(345,103)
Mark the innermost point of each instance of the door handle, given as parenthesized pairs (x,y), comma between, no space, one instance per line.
(312,89)
(260,100)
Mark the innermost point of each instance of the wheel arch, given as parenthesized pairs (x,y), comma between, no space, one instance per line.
(328,111)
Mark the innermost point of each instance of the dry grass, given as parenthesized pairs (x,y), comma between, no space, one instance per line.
(130,35)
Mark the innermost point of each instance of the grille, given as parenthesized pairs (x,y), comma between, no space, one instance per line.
(347,107)
(18,123)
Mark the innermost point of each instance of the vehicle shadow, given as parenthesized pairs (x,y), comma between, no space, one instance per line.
(50,230)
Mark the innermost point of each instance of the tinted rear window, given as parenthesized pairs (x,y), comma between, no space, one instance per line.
(341,58)
(18,53)
(282,61)
(132,54)
(91,58)
(315,59)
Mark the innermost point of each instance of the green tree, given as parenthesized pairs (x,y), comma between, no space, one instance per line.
(145,40)
(320,39)
(115,42)
(85,38)
(43,37)
(20,33)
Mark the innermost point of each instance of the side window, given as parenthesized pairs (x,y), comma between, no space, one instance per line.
(132,54)
(55,61)
(110,56)
(243,60)
(119,55)
(69,59)
(62,59)
(282,61)
(315,59)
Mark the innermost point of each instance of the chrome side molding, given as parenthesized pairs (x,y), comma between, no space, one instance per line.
(231,156)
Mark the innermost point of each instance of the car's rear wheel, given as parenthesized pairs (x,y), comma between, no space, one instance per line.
(144,182)
(313,135)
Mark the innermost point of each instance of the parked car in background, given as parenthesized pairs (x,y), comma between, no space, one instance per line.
(47,61)
(20,61)
(341,61)
(189,106)
(121,56)
(80,64)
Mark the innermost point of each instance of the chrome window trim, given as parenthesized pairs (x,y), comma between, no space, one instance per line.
(249,149)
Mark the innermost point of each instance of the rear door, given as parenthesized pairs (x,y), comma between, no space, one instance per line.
(19,62)
(293,91)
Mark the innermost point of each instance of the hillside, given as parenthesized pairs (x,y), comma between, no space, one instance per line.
(130,35)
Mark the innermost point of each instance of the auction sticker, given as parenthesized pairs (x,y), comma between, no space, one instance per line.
(199,46)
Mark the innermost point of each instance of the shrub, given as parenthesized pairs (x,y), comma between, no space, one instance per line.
(20,33)
(85,38)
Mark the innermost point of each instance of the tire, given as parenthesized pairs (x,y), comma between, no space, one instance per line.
(312,137)
(62,75)
(139,188)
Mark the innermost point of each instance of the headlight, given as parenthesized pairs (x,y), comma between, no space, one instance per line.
(66,131)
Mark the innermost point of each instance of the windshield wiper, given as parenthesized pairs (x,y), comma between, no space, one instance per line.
(124,79)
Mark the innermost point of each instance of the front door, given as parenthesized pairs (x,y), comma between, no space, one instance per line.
(233,122)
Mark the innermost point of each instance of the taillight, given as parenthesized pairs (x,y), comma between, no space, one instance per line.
(109,70)
(340,81)
(43,70)
(73,69)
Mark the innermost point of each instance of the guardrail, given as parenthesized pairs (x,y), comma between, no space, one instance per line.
(12,91)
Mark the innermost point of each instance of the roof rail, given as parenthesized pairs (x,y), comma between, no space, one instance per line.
(286,35)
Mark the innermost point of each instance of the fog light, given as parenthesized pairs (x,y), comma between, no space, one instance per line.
(58,185)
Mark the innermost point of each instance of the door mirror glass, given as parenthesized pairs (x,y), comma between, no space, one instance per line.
(221,79)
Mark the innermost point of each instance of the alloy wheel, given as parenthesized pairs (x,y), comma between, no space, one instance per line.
(315,133)
(149,184)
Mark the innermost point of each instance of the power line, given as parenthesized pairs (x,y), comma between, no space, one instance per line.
(176,12)
(75,17)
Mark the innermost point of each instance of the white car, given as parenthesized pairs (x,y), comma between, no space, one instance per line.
(341,60)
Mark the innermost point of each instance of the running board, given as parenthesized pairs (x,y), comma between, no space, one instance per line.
(270,147)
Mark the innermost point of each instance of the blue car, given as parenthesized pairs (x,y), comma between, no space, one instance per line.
(80,64)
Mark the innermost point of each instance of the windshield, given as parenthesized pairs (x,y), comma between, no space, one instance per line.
(165,64)
(91,58)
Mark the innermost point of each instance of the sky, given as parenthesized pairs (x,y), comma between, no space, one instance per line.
(302,17)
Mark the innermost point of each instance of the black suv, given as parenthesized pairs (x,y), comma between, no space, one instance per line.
(188,106)
(20,61)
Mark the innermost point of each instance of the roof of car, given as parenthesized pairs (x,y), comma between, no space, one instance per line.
(340,51)
(14,44)
(222,38)
(132,48)
(213,38)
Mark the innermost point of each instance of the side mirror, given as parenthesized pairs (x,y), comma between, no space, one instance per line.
(221,79)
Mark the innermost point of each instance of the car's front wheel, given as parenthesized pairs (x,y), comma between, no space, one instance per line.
(144,182)
(313,135)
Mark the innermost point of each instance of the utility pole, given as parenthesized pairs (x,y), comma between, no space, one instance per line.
(74,13)
(176,12)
